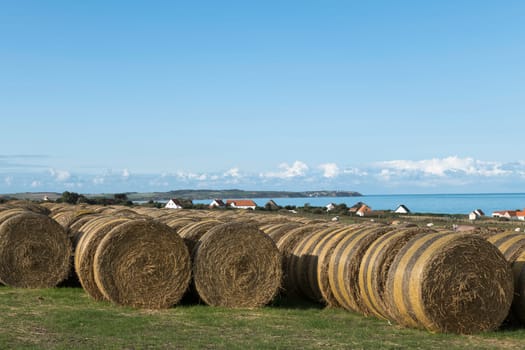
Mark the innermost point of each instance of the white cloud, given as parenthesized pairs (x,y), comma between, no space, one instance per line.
(330,170)
(385,174)
(36,183)
(125,173)
(355,171)
(8,180)
(298,168)
(99,180)
(60,175)
(442,166)
(191,176)
(233,172)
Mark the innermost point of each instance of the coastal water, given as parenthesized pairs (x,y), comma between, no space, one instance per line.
(417,203)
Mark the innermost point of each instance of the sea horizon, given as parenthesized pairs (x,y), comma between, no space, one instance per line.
(438,203)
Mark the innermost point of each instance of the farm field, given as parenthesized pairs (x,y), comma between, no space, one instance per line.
(66,318)
(146,310)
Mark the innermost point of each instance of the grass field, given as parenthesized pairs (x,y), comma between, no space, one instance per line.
(66,318)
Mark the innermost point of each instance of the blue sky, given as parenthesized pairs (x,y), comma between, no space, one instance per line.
(377,97)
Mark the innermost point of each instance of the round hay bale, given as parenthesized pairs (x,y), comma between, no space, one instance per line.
(30,206)
(34,251)
(344,266)
(192,232)
(5,207)
(66,217)
(518,303)
(236,265)
(276,233)
(177,223)
(375,265)
(142,263)
(286,244)
(323,261)
(128,213)
(510,244)
(303,267)
(293,271)
(269,227)
(93,233)
(6,214)
(74,230)
(449,282)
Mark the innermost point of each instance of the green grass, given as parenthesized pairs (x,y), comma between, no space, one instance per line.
(66,318)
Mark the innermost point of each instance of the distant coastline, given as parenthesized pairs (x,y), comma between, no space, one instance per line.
(195,194)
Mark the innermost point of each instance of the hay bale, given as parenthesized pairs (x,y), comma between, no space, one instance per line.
(276,233)
(236,265)
(142,263)
(518,303)
(510,244)
(375,265)
(177,223)
(6,214)
(303,267)
(34,251)
(92,234)
(323,261)
(293,271)
(192,232)
(66,217)
(449,282)
(344,266)
(30,206)
(128,213)
(286,244)
(74,230)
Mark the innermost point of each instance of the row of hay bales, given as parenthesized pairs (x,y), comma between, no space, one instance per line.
(439,281)
(129,258)
(416,277)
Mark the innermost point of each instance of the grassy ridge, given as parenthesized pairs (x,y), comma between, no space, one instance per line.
(65,318)
(193,194)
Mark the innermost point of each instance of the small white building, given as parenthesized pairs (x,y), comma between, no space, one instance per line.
(173,203)
(330,206)
(241,204)
(217,203)
(402,209)
(505,214)
(476,214)
(363,210)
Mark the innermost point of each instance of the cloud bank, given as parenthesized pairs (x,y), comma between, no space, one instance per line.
(451,174)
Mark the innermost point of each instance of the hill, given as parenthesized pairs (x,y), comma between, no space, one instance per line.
(194,194)
(235,193)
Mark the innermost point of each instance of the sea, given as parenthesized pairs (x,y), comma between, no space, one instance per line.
(416,203)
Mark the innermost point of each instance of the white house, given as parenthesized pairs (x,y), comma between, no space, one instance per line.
(476,214)
(402,209)
(173,203)
(363,210)
(507,214)
(330,206)
(217,203)
(241,203)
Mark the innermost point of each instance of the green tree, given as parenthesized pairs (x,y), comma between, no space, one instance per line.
(120,197)
(69,197)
